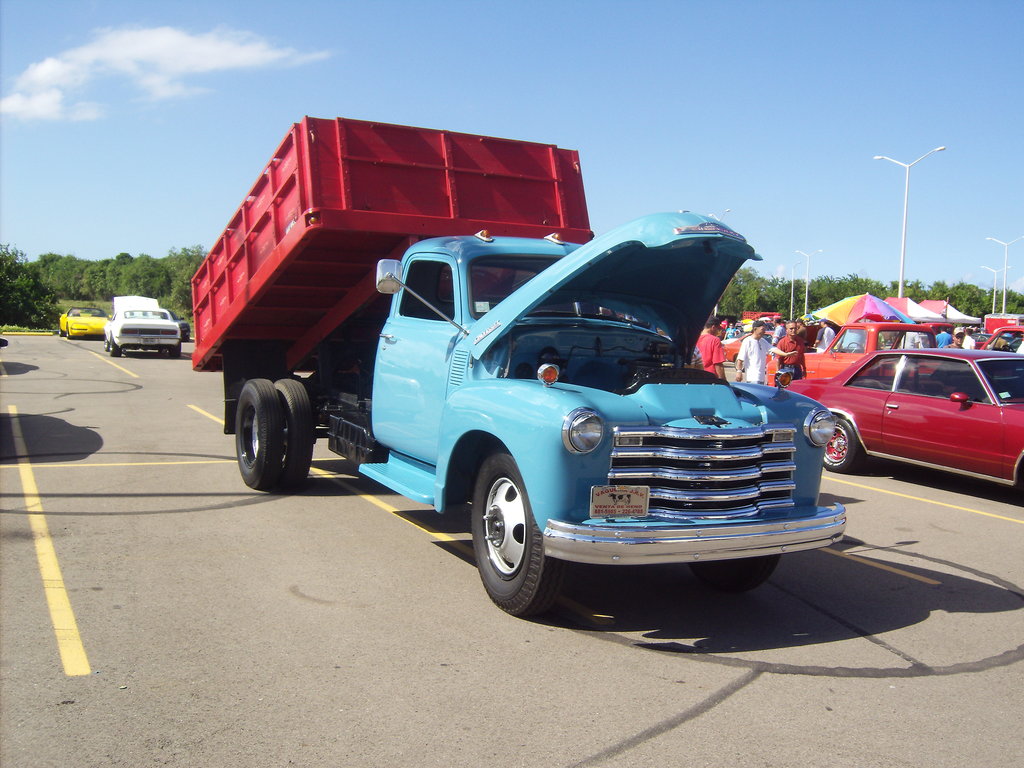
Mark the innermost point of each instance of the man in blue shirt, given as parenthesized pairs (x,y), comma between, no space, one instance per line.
(943,339)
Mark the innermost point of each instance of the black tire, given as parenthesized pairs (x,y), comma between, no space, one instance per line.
(843,453)
(259,435)
(115,351)
(739,575)
(509,547)
(175,351)
(61,333)
(299,434)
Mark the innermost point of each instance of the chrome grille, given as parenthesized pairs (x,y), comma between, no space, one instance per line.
(697,474)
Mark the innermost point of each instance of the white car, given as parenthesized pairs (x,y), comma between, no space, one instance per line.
(140,323)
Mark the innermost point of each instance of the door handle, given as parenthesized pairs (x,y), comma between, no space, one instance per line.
(892,406)
(388,337)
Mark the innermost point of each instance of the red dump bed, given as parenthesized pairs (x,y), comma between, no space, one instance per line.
(298,256)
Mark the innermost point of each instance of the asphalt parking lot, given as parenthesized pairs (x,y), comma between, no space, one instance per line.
(154,610)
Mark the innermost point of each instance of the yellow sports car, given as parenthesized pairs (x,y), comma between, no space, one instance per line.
(82,321)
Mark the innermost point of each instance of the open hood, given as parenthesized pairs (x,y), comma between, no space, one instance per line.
(676,265)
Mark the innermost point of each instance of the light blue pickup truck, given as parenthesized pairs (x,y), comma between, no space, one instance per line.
(546,385)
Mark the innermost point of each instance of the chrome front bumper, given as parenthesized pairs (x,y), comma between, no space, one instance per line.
(605,544)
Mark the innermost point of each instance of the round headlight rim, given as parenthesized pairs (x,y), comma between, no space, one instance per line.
(570,427)
(813,427)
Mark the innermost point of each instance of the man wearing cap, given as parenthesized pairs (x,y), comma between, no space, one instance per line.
(709,344)
(752,359)
(825,336)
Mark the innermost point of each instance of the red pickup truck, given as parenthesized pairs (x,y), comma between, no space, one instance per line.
(855,340)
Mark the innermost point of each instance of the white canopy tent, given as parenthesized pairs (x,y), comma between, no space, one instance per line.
(949,312)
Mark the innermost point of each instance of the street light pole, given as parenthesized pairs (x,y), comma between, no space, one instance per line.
(994,272)
(792,283)
(715,216)
(1006,258)
(906,200)
(807,276)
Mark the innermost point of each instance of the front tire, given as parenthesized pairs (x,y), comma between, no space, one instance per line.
(843,453)
(298,441)
(509,547)
(259,435)
(736,575)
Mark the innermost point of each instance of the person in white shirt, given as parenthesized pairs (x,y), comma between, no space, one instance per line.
(825,336)
(752,359)
(969,342)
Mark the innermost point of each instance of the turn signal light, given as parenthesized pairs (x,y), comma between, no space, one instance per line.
(548,374)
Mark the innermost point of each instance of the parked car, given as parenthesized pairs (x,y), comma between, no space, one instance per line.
(854,341)
(1005,339)
(957,410)
(140,324)
(183,326)
(82,321)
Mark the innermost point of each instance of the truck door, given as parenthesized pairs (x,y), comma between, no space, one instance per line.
(413,354)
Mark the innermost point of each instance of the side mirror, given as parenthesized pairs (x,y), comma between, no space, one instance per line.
(783,380)
(388,271)
(961,397)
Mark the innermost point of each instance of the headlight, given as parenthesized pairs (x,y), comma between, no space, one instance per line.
(819,426)
(582,430)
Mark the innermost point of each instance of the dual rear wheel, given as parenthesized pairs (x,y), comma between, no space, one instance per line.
(274,434)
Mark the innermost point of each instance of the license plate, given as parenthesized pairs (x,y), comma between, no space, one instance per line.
(619,500)
(150,340)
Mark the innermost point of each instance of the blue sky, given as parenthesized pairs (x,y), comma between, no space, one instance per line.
(138,126)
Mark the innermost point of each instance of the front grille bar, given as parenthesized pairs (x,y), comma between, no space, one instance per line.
(707,474)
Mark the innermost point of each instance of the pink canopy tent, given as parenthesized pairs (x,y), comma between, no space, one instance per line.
(915,311)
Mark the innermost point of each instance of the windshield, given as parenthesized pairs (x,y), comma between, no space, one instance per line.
(494,278)
(148,314)
(1006,378)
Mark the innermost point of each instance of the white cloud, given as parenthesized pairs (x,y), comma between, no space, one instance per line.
(159,61)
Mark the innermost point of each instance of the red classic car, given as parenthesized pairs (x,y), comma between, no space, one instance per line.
(1005,339)
(854,341)
(957,410)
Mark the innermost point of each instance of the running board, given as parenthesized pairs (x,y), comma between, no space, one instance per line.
(409,477)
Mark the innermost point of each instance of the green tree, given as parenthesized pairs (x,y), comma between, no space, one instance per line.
(25,300)
(182,265)
(146,276)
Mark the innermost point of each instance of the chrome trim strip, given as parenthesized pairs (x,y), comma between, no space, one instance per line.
(707,434)
(630,545)
(730,494)
(667,473)
(942,468)
(684,454)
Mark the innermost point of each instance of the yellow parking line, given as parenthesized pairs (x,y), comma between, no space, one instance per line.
(207,414)
(111,362)
(926,501)
(69,642)
(104,464)
(882,566)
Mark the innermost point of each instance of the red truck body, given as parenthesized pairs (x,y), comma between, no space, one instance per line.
(298,256)
(997,321)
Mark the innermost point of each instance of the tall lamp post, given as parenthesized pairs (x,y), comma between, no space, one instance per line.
(994,273)
(807,276)
(906,198)
(792,283)
(716,216)
(1006,258)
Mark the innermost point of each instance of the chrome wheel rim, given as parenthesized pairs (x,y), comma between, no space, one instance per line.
(505,526)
